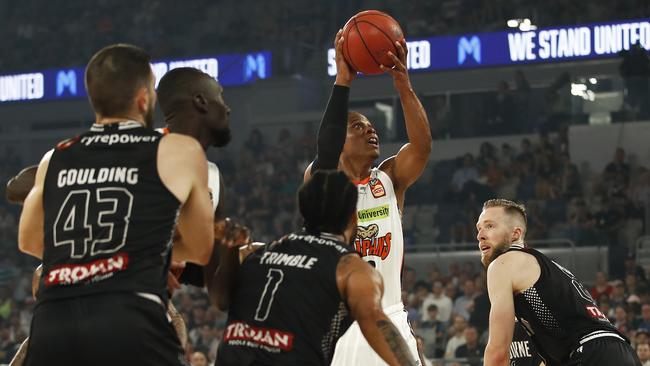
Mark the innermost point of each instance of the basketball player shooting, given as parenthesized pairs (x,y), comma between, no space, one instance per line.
(292,299)
(349,142)
(551,305)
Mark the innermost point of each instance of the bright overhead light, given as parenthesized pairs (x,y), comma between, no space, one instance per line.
(526,21)
(513,23)
(593,80)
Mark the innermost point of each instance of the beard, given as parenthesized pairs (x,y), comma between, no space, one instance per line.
(501,247)
(221,136)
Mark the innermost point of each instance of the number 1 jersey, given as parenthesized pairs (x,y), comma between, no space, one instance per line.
(286,308)
(108,217)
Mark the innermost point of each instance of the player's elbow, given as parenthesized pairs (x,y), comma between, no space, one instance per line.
(204,252)
(370,317)
(496,355)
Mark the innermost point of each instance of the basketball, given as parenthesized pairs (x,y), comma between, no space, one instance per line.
(368,36)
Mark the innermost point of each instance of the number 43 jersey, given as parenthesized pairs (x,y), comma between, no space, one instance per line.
(285,306)
(108,217)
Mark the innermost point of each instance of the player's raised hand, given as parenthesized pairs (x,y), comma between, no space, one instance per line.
(231,234)
(399,72)
(344,73)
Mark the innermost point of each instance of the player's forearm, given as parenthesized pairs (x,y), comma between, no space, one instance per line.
(221,284)
(332,130)
(415,117)
(178,323)
(385,339)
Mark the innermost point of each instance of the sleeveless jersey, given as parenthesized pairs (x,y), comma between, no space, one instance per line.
(285,306)
(214,183)
(522,349)
(192,274)
(379,232)
(108,217)
(558,312)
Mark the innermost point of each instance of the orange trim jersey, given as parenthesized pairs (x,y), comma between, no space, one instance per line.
(379,232)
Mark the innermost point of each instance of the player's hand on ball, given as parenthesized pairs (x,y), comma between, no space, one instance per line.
(344,73)
(399,72)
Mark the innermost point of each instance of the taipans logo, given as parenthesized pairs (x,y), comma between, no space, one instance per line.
(367,242)
(469,47)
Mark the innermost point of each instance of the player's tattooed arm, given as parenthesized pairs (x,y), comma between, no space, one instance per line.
(178,323)
(19,358)
(362,288)
(395,342)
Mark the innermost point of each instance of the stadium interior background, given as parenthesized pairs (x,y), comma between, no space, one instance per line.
(567,136)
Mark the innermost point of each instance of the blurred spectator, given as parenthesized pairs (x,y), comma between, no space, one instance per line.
(644,321)
(199,358)
(602,287)
(617,173)
(471,350)
(442,302)
(464,174)
(464,302)
(635,71)
(456,336)
(433,333)
(643,352)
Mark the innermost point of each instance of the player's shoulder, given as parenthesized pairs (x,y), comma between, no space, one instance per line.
(181,142)
(509,261)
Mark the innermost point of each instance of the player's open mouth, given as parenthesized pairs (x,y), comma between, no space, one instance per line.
(484,248)
(373,141)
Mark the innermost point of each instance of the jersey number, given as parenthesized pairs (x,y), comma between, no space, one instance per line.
(577,285)
(105,233)
(274,279)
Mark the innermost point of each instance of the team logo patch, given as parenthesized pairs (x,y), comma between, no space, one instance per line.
(272,340)
(377,188)
(368,242)
(67,143)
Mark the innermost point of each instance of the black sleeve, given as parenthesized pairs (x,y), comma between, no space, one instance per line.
(332,130)
(192,275)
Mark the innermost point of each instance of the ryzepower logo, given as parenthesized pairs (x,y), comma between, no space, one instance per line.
(375,213)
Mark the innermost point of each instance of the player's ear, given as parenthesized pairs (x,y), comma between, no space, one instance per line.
(516,234)
(200,103)
(142,99)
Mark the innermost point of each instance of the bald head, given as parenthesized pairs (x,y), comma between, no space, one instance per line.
(178,87)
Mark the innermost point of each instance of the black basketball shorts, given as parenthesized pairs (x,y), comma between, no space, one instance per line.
(103,329)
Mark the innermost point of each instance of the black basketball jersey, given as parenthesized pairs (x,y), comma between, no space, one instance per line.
(557,311)
(108,217)
(286,308)
(522,349)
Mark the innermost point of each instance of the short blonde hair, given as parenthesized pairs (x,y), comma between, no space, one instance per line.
(512,208)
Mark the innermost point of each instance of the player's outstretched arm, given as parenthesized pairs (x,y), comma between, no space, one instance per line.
(183,169)
(231,236)
(502,312)
(333,125)
(31,232)
(362,287)
(407,166)
(19,186)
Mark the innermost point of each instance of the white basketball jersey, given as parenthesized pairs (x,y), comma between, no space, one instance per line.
(379,232)
(213,184)
(213,176)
